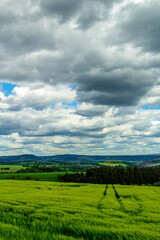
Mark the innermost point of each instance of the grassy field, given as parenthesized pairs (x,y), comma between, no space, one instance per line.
(12,168)
(113,163)
(50,176)
(66,211)
(154,165)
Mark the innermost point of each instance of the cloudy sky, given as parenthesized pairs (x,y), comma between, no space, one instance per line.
(79,76)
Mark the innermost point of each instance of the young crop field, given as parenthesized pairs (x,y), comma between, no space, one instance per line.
(66,211)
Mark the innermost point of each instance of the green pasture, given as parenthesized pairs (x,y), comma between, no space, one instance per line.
(44,176)
(12,168)
(67,211)
(114,164)
(153,165)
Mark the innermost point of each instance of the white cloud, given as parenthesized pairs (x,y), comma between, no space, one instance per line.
(39,97)
(109,50)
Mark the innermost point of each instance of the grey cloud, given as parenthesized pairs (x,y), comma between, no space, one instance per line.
(69,134)
(49,122)
(7,17)
(46,51)
(86,21)
(124,111)
(64,9)
(26,37)
(23,30)
(46,43)
(90,110)
(87,12)
(7,127)
(115,88)
(139,25)
(94,11)
(153,132)
(42,128)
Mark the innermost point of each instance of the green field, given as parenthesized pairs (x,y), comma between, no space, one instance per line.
(13,168)
(31,210)
(114,163)
(50,176)
(153,165)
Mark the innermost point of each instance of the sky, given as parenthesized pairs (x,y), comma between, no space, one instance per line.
(80,77)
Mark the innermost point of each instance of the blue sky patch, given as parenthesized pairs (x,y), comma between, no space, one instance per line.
(72,104)
(7,88)
(74,85)
(151,106)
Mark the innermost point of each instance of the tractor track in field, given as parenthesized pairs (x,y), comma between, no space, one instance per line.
(122,205)
(100,203)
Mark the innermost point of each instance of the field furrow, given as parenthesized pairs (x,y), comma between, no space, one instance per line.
(46,210)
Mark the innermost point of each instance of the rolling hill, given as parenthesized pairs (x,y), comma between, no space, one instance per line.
(79,158)
(152,163)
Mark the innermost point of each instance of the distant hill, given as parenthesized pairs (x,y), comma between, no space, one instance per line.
(152,163)
(78,158)
(18,158)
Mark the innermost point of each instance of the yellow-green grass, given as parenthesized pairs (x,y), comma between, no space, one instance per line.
(12,168)
(112,164)
(66,211)
(44,176)
(153,165)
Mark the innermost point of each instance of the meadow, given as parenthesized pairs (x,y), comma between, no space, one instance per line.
(12,168)
(67,211)
(114,164)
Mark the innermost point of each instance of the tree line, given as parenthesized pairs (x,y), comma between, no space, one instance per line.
(104,175)
(36,169)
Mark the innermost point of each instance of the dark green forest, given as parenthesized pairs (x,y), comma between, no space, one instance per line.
(103,175)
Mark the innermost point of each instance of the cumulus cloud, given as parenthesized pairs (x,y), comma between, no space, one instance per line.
(86,75)
(91,110)
(139,26)
(85,12)
(38,98)
(115,88)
